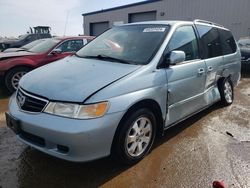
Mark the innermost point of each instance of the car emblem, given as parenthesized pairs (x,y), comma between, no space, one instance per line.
(21,99)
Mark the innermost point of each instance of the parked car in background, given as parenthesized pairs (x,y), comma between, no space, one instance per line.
(245,56)
(14,65)
(244,45)
(25,47)
(40,32)
(244,42)
(129,83)
(23,40)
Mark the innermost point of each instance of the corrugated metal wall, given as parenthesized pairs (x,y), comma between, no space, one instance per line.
(233,14)
(142,16)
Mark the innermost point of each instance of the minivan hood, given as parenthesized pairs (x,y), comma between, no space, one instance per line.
(14,54)
(74,79)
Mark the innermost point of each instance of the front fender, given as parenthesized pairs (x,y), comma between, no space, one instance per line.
(125,101)
(144,84)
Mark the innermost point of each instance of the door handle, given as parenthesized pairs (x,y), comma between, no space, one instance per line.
(210,69)
(201,71)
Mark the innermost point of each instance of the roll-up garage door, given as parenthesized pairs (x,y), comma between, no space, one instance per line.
(142,16)
(98,28)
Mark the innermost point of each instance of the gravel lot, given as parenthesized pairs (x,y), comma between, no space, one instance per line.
(213,145)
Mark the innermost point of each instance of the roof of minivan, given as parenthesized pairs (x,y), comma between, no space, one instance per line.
(167,22)
(173,22)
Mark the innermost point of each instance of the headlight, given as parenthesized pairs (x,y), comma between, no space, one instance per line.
(77,111)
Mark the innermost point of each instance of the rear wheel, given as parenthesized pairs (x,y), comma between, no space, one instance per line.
(226,92)
(13,77)
(135,136)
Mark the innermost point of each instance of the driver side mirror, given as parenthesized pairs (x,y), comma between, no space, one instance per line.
(56,51)
(176,57)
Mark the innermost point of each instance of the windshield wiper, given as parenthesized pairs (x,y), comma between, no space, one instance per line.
(105,57)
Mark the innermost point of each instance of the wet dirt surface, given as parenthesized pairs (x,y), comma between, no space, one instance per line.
(213,145)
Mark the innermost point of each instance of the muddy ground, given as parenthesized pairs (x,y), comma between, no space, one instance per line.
(213,145)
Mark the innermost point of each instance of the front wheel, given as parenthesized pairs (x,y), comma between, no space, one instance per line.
(13,77)
(226,92)
(135,136)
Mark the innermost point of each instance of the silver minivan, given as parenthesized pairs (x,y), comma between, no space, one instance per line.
(133,81)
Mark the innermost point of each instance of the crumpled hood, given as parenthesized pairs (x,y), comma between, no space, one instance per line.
(73,79)
(14,54)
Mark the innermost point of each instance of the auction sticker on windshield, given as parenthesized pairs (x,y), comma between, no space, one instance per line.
(154,29)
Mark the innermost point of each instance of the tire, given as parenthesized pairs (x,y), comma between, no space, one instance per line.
(140,127)
(13,77)
(226,92)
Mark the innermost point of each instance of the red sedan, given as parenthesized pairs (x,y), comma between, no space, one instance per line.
(14,65)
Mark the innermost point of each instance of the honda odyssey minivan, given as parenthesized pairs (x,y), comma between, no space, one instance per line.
(133,81)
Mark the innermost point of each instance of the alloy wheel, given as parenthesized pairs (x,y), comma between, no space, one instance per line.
(139,136)
(16,78)
(228,92)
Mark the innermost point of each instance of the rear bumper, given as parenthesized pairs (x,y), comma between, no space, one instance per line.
(69,139)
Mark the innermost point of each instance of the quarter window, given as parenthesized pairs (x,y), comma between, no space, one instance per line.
(211,41)
(227,41)
(184,39)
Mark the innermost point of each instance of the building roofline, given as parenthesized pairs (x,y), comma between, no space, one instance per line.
(120,7)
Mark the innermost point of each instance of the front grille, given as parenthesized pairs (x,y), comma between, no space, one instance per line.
(30,103)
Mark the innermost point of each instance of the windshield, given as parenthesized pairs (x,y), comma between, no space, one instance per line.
(31,44)
(44,46)
(22,37)
(135,44)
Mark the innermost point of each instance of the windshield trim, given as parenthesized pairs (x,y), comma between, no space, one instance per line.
(167,26)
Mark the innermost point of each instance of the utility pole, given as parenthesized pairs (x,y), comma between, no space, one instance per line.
(66,23)
(83,25)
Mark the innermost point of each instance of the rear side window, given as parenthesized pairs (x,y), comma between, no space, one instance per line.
(227,42)
(210,39)
(71,46)
(184,39)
